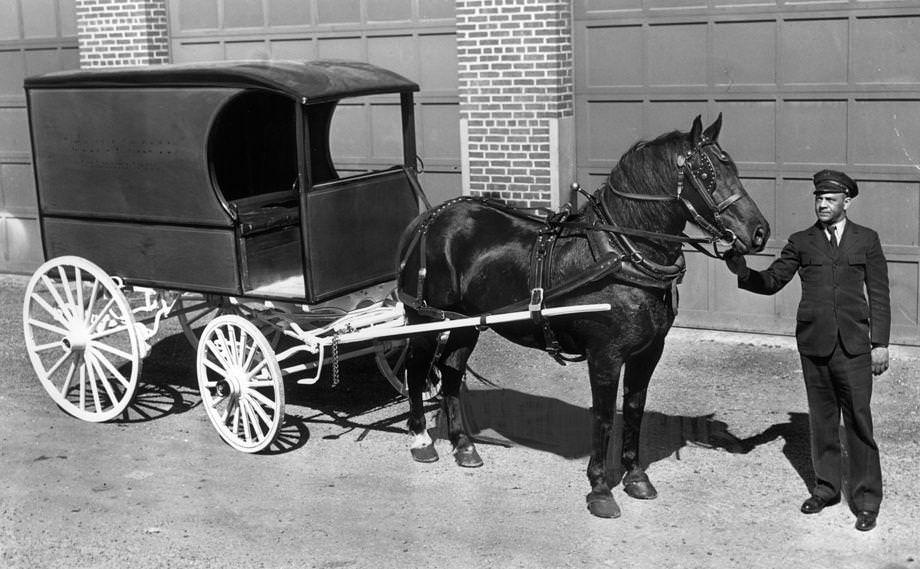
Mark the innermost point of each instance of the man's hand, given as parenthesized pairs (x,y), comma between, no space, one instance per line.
(879,360)
(736,263)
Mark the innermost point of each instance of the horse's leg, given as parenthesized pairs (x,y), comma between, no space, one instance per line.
(453,366)
(604,370)
(636,379)
(418,363)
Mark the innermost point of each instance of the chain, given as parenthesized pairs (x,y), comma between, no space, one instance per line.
(335,360)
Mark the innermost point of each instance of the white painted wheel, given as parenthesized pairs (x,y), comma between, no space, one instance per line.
(240,383)
(391,361)
(195,310)
(82,339)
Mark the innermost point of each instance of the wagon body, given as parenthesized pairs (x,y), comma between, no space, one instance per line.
(218,177)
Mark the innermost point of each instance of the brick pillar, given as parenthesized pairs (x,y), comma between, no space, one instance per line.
(516,91)
(120,33)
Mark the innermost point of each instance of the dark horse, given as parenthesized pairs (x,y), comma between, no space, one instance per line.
(624,247)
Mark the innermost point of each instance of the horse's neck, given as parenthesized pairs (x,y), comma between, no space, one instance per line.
(657,217)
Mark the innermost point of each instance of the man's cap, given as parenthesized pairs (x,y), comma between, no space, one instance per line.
(833,182)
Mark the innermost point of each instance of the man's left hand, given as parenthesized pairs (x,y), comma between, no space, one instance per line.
(879,360)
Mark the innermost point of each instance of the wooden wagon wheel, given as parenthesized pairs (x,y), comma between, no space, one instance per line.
(240,383)
(391,361)
(195,310)
(82,338)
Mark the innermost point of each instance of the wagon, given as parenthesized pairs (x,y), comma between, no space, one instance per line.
(208,192)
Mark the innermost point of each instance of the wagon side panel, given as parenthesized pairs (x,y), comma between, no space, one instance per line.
(177,257)
(130,153)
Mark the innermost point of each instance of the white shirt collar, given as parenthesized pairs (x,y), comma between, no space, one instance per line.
(839,231)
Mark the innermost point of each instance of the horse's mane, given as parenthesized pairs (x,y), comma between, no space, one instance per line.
(647,168)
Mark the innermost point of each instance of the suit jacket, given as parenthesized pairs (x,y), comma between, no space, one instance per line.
(833,302)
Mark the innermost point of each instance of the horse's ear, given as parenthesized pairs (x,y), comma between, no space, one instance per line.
(696,129)
(712,131)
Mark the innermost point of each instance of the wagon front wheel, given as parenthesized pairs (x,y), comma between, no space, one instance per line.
(82,339)
(391,361)
(240,383)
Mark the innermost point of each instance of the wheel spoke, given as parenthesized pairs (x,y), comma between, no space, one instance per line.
(79,290)
(53,290)
(262,399)
(65,284)
(102,316)
(101,359)
(218,353)
(108,332)
(56,314)
(103,379)
(93,295)
(57,364)
(254,423)
(215,368)
(69,378)
(111,350)
(48,327)
(250,375)
(90,372)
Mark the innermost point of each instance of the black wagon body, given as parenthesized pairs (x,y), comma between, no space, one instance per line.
(217,177)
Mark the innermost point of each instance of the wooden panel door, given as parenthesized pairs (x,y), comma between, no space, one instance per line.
(802,86)
(36,36)
(416,38)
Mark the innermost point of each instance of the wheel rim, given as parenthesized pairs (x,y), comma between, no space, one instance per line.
(391,361)
(196,310)
(240,383)
(81,338)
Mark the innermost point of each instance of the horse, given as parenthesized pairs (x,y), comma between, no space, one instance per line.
(473,256)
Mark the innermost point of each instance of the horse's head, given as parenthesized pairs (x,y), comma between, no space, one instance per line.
(716,199)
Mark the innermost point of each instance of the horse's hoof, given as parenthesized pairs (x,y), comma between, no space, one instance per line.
(424,454)
(467,457)
(602,505)
(638,486)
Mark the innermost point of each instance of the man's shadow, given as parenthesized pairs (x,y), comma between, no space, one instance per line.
(510,417)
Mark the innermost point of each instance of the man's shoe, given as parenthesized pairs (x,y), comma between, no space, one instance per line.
(865,520)
(815,504)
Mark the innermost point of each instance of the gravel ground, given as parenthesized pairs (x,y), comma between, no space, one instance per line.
(725,437)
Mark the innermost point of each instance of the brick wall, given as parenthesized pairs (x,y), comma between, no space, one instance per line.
(116,33)
(516,99)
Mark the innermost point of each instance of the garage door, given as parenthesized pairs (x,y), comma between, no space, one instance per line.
(36,36)
(802,86)
(416,38)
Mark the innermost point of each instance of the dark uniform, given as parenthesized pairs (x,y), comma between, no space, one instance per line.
(836,329)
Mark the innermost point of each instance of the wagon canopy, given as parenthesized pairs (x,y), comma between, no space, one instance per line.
(310,82)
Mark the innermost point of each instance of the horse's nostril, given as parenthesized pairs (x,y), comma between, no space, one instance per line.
(760,235)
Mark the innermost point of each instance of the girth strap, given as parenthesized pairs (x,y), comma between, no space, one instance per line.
(540,266)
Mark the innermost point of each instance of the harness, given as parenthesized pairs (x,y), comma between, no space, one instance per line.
(615,254)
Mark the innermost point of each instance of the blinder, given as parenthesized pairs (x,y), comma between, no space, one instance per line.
(696,165)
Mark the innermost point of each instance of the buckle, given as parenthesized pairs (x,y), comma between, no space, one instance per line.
(536,300)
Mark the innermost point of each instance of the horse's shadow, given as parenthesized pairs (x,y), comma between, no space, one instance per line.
(510,417)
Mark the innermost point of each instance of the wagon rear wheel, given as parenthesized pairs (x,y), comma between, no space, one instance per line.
(81,338)
(240,383)
(391,361)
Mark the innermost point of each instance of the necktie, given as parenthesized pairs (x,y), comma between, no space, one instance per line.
(832,229)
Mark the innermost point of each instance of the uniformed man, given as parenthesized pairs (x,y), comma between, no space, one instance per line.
(842,340)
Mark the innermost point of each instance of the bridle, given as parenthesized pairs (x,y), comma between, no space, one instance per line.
(696,165)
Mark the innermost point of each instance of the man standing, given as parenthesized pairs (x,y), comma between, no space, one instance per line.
(842,340)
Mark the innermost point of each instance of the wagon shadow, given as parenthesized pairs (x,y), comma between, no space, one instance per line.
(168,386)
(510,417)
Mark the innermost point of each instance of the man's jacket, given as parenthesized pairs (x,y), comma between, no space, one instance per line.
(833,281)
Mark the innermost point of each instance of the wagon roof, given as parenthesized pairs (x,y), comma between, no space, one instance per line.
(312,81)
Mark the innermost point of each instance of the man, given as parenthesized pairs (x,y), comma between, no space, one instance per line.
(842,339)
